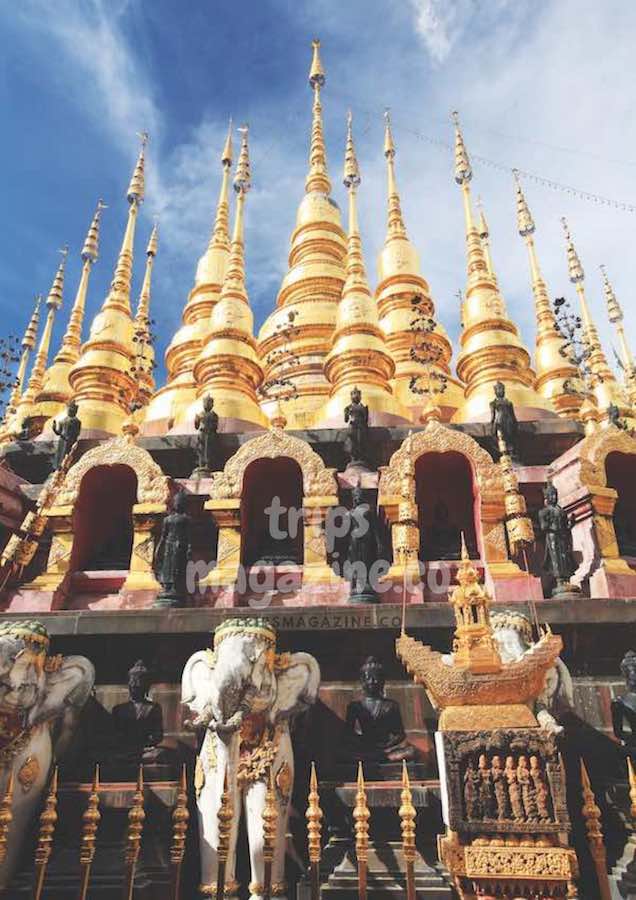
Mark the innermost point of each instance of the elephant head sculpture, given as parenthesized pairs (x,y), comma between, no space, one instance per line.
(244,694)
(513,633)
(40,699)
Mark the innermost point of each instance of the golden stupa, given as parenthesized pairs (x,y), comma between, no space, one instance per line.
(312,287)
(491,348)
(102,382)
(400,282)
(171,403)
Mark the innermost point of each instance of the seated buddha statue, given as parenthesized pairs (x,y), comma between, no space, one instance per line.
(376,720)
(138,723)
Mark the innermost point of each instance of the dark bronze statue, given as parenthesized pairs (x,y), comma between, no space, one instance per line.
(138,722)
(173,552)
(614,417)
(556,525)
(503,421)
(24,433)
(68,432)
(206,424)
(377,720)
(442,537)
(356,416)
(624,707)
(363,551)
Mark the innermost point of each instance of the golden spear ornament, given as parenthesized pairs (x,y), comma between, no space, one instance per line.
(407,813)
(180,819)
(90,823)
(224,817)
(48,820)
(270,822)
(632,787)
(314,830)
(136,818)
(361,816)
(592,817)
(6,817)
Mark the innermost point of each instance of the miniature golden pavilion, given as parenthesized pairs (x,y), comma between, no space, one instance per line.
(139,512)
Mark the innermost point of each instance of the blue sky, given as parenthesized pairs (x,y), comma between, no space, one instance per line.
(547,87)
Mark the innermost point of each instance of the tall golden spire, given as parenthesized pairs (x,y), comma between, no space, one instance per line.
(56,390)
(484,234)
(358,356)
(555,375)
(170,406)
(317,178)
(27,343)
(228,367)
(312,287)
(615,315)
(53,303)
(605,386)
(144,351)
(101,380)
(399,281)
(491,348)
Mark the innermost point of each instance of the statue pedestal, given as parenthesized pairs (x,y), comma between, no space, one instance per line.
(385,867)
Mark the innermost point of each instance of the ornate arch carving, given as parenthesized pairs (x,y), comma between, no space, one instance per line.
(152,484)
(437,438)
(318,480)
(594,449)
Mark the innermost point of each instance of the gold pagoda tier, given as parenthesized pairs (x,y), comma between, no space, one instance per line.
(358,356)
(27,344)
(558,380)
(615,315)
(228,367)
(491,348)
(312,287)
(604,385)
(52,400)
(101,380)
(26,406)
(400,281)
(144,360)
(168,408)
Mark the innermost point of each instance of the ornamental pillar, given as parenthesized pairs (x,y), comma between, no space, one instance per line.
(58,565)
(141,576)
(227,515)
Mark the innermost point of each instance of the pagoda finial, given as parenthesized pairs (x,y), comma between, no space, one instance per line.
(242,182)
(144,352)
(227,154)
(136,188)
(151,249)
(28,343)
(54,298)
(395,227)
(356,273)
(614,310)
(525,222)
(463,169)
(144,298)
(615,315)
(317,179)
(90,250)
(575,269)
(484,234)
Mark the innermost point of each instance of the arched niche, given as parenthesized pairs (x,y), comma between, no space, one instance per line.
(103,519)
(595,481)
(446,494)
(620,472)
(231,487)
(274,537)
(485,497)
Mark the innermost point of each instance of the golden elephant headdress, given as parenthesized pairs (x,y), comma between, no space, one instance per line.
(255,626)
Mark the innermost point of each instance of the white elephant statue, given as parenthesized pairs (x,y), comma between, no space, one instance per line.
(513,633)
(245,694)
(40,700)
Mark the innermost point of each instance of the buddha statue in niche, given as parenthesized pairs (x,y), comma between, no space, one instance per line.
(138,723)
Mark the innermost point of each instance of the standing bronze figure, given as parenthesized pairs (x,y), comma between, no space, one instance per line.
(624,707)
(68,432)
(556,525)
(360,568)
(173,552)
(503,421)
(356,416)
(207,425)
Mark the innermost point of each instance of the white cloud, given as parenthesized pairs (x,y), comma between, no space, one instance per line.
(440,23)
